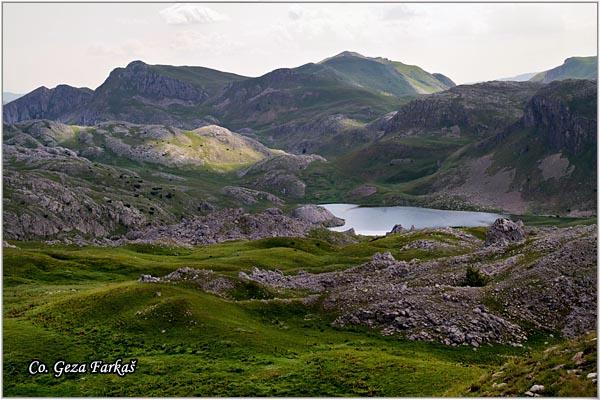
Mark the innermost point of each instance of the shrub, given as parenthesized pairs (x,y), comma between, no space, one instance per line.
(474,278)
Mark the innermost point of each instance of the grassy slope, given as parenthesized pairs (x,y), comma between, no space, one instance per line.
(572,68)
(548,368)
(84,304)
(384,76)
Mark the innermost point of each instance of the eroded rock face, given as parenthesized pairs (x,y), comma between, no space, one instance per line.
(505,231)
(450,112)
(314,214)
(47,103)
(566,123)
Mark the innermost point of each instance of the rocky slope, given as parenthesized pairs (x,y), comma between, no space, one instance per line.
(545,161)
(525,286)
(482,109)
(103,181)
(59,104)
(513,146)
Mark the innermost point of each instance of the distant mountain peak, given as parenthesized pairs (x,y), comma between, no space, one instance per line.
(572,68)
(350,54)
(136,63)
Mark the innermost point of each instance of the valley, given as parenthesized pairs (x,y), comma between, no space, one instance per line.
(186,218)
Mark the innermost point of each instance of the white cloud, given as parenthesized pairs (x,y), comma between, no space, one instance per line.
(398,13)
(186,14)
(295,12)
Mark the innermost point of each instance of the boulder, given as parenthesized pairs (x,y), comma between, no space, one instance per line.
(397,229)
(536,388)
(504,231)
(385,257)
(317,215)
(148,279)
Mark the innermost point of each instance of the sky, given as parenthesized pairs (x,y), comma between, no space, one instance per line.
(79,44)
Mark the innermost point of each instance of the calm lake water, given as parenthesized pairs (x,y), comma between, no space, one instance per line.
(376,221)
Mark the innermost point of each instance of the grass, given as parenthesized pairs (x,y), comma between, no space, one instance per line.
(82,304)
(549,367)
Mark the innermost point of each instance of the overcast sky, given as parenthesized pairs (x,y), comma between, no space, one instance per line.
(79,44)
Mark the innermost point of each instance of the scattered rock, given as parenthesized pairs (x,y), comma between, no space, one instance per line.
(148,279)
(536,388)
(578,358)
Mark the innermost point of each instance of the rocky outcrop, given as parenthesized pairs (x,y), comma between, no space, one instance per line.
(204,279)
(250,196)
(483,108)
(140,79)
(223,225)
(396,229)
(564,113)
(314,214)
(59,104)
(504,231)
(280,174)
(425,300)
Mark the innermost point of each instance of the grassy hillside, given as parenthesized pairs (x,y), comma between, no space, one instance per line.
(84,303)
(572,68)
(558,369)
(387,77)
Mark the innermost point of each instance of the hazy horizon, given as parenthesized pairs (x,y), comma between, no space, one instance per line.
(47,44)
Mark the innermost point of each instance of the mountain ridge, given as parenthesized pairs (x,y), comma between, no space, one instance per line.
(188,96)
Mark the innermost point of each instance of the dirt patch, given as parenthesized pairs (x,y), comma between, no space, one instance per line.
(491,190)
(363,191)
(555,166)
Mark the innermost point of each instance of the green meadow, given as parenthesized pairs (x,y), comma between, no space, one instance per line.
(82,304)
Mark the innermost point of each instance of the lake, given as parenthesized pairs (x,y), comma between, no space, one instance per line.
(375,221)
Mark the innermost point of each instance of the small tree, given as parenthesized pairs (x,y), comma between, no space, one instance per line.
(474,278)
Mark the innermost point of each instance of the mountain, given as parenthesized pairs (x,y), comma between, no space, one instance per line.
(572,68)
(277,107)
(114,177)
(418,136)
(139,93)
(511,146)
(385,141)
(63,103)
(7,97)
(479,109)
(544,162)
(520,78)
(387,77)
